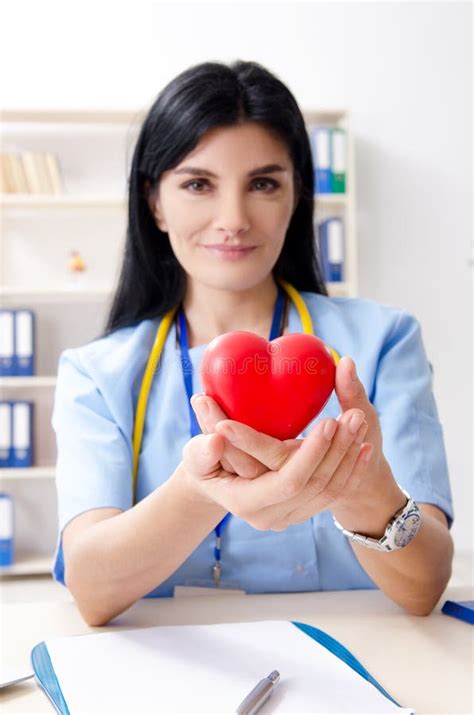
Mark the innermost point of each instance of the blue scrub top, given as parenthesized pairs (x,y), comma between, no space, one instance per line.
(95,400)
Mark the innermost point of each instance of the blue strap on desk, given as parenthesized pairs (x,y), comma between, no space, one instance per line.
(47,679)
(341,652)
(464,610)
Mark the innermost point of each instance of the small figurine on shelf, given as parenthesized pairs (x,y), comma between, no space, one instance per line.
(76,266)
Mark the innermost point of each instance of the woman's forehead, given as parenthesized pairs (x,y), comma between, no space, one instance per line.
(249,137)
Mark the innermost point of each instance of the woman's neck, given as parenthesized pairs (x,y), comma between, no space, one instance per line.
(210,311)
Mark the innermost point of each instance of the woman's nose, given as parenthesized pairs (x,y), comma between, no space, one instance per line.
(232,216)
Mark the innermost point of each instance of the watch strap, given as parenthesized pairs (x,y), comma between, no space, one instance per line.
(385,543)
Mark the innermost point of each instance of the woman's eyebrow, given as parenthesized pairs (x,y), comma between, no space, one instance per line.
(196,171)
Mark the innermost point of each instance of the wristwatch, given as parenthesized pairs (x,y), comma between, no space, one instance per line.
(400,530)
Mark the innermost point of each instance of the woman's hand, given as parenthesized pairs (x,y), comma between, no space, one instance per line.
(352,493)
(298,482)
(234,460)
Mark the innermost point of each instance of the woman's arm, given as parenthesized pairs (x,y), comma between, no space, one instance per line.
(415,576)
(362,501)
(113,558)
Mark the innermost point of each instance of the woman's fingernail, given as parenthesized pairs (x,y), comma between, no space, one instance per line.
(366,454)
(351,369)
(330,429)
(356,422)
(353,372)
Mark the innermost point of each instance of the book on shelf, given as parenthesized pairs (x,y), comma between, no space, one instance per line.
(30,172)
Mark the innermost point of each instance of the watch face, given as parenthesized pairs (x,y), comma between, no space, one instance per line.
(407,530)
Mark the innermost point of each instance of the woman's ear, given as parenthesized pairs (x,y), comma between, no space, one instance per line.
(151,195)
(297,189)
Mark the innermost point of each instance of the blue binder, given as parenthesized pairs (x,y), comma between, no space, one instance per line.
(331,249)
(7,549)
(6,441)
(321,140)
(24,356)
(7,343)
(338,160)
(22,433)
(48,681)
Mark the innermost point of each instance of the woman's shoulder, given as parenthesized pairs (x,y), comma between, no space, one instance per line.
(354,310)
(361,326)
(116,354)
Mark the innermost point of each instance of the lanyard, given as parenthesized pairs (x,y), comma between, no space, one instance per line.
(187,369)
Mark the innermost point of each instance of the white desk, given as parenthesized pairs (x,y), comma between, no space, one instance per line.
(425,663)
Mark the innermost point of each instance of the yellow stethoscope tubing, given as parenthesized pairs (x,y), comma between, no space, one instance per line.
(157,349)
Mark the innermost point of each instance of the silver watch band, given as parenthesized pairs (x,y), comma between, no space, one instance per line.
(390,540)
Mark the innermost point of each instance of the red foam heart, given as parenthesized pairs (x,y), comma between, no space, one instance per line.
(277,387)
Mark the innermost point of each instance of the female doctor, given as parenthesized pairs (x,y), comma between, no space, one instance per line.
(156,487)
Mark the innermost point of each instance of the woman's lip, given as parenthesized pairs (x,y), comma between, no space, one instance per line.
(229,252)
(226,247)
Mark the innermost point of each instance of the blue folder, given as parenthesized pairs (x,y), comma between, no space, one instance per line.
(7,343)
(6,434)
(331,249)
(24,357)
(48,681)
(321,141)
(22,433)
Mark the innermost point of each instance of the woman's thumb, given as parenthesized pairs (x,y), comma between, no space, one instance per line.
(202,453)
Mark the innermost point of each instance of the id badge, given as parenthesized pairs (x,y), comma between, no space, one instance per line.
(206,591)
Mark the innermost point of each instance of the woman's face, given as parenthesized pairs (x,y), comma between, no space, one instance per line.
(226,215)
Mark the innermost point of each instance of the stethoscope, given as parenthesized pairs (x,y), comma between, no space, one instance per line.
(155,354)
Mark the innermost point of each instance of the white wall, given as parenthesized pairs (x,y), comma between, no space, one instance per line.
(405,71)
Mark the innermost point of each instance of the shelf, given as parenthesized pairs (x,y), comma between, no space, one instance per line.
(61,201)
(81,116)
(47,472)
(331,199)
(340,290)
(53,296)
(127,116)
(33,381)
(29,565)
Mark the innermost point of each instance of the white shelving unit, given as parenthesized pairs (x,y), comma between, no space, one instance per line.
(28,564)
(94,150)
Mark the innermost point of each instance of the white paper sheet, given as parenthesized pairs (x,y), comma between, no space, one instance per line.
(207,669)
(11,675)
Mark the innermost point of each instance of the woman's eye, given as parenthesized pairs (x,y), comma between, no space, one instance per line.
(269,182)
(196,185)
(199,182)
